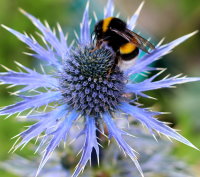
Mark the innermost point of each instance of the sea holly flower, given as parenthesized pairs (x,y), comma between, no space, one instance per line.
(78,87)
(156,160)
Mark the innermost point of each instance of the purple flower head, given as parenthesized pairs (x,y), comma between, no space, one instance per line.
(78,88)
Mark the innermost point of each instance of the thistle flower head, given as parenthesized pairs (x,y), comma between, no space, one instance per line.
(82,86)
(85,84)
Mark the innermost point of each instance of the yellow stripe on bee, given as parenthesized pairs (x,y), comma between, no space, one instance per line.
(106,23)
(127,48)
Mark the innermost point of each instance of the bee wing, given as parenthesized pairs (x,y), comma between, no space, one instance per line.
(134,38)
(143,41)
(122,34)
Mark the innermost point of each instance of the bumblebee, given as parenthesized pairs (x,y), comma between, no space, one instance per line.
(125,43)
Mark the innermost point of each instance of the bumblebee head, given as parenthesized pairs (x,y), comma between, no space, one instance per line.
(104,27)
(98,30)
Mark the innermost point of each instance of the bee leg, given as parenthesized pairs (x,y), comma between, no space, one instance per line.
(93,50)
(98,46)
(109,72)
(113,67)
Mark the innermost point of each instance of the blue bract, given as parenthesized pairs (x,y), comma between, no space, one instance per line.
(78,88)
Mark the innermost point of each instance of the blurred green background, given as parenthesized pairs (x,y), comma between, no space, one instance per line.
(170,19)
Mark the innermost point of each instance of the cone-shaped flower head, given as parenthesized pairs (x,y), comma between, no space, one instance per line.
(85,84)
(78,86)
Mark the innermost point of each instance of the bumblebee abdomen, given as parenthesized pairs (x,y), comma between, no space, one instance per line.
(128,51)
(116,41)
(127,48)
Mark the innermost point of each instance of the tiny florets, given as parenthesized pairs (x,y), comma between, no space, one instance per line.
(91,83)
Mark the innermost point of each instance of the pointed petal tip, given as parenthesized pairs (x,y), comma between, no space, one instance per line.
(5,27)
(109,9)
(133,20)
(193,33)
(160,42)
(193,146)
(22,11)
(87,5)
(185,37)
(140,7)
(137,12)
